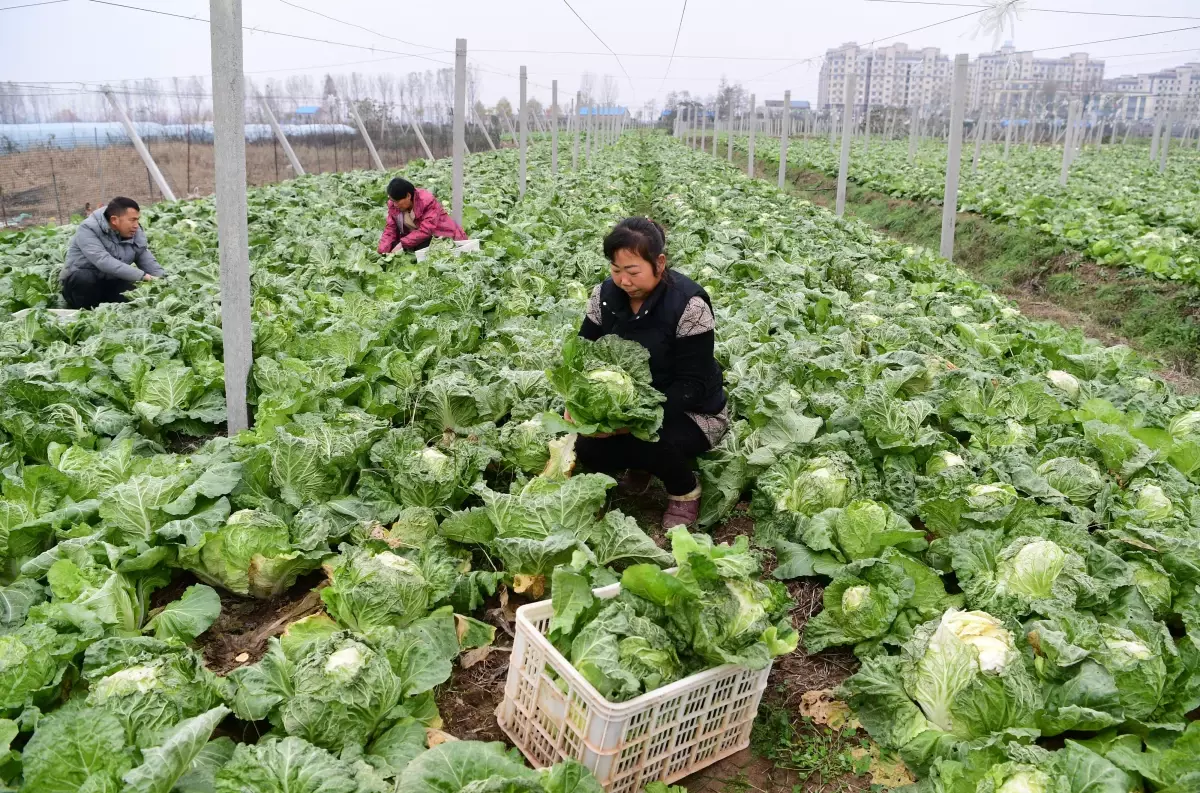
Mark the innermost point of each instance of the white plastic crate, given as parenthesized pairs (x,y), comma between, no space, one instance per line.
(663,735)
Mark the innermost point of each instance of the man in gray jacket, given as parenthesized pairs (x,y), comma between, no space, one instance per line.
(108,256)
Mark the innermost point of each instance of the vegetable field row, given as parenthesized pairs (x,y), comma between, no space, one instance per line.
(1004,512)
(1116,209)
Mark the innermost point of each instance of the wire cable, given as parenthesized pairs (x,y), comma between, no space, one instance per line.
(1118,38)
(671,59)
(1037,10)
(360,27)
(885,38)
(32,5)
(274,32)
(602,41)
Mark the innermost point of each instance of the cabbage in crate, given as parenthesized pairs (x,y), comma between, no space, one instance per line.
(606,386)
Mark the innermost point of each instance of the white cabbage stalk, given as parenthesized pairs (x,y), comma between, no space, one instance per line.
(943,461)
(958,312)
(434,459)
(345,662)
(982,632)
(1063,381)
(1154,502)
(855,597)
(870,320)
(1133,649)
(1031,781)
(610,377)
(127,681)
(391,560)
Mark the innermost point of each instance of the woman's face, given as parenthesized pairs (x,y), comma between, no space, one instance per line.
(634,275)
(404,204)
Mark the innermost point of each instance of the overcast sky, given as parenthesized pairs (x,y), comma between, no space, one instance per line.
(755,43)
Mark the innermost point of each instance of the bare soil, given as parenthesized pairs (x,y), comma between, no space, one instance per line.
(239,636)
(53,184)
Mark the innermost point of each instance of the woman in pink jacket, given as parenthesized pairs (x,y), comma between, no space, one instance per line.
(415,217)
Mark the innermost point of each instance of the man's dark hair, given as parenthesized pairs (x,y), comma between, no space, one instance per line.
(639,235)
(400,188)
(118,206)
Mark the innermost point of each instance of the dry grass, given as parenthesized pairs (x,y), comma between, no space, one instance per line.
(53,184)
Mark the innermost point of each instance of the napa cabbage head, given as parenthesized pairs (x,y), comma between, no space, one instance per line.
(964,664)
(606,385)
(342,690)
(525,445)
(1152,500)
(150,686)
(1064,381)
(1077,479)
(1023,779)
(944,462)
(810,485)
(374,590)
(1030,569)
(985,497)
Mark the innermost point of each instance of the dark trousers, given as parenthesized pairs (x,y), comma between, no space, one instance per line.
(90,288)
(671,458)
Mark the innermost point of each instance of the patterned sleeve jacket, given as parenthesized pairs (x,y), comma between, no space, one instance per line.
(676,325)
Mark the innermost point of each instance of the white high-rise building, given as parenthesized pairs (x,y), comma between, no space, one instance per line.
(1005,78)
(1144,95)
(892,76)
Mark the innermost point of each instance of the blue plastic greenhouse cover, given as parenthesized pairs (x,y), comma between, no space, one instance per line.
(68,135)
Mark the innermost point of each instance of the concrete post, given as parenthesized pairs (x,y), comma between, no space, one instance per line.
(554,127)
(460,126)
(140,146)
(523,124)
(914,124)
(729,143)
(784,124)
(511,129)
(283,141)
(981,124)
(415,125)
(1068,143)
(1165,142)
(575,121)
(847,134)
(750,152)
(233,240)
(362,128)
(958,103)
(703,130)
(1154,137)
(591,132)
(867,128)
(1008,133)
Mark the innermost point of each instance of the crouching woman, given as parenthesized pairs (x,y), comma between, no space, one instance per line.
(671,316)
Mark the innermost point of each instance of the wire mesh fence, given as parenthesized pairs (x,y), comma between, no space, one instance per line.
(69,176)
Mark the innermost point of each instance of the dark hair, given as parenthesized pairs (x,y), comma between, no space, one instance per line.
(400,188)
(638,235)
(118,206)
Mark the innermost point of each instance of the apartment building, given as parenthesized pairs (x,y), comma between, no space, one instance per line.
(1005,78)
(1145,95)
(892,76)
(897,76)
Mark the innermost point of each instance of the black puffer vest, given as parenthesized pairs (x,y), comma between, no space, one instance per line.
(654,327)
